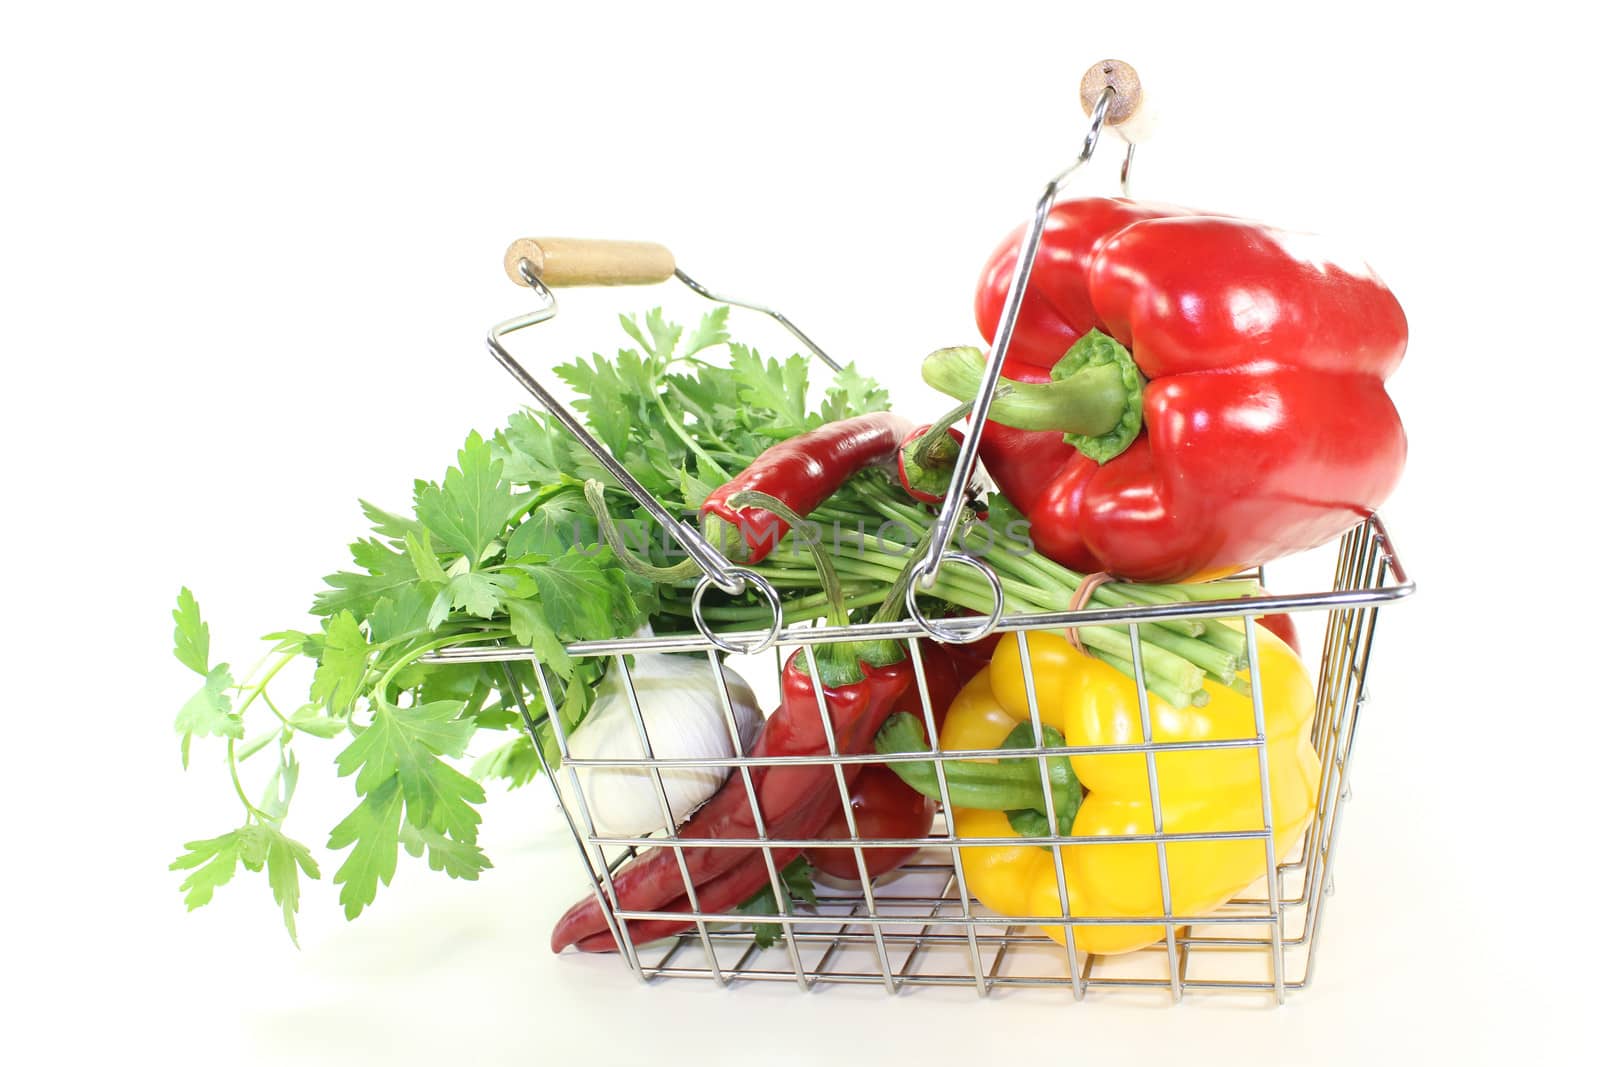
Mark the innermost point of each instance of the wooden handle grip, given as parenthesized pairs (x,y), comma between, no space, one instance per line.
(564,261)
(1120,77)
(1129,112)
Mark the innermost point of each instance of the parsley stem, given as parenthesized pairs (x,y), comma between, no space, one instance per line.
(381,687)
(261,686)
(702,427)
(423,631)
(274,709)
(674,424)
(238,786)
(530,500)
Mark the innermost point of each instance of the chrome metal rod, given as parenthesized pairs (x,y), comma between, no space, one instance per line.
(1132,748)
(705,555)
(1141,614)
(775,316)
(944,527)
(1098,841)
(989,920)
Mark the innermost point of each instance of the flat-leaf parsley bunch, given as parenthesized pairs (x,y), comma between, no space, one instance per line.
(504,548)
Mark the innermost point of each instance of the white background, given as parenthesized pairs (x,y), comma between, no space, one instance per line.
(246,262)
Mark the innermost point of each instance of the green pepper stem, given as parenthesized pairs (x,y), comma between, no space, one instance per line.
(1003,785)
(594,491)
(1094,396)
(926,464)
(1090,402)
(936,447)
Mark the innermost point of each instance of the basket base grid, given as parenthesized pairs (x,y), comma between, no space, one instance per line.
(926,942)
(915,927)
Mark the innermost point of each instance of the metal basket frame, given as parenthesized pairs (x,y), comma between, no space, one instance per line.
(918,926)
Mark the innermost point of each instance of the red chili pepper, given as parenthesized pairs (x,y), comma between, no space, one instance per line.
(726,891)
(883,805)
(1266,427)
(794,800)
(722,894)
(802,472)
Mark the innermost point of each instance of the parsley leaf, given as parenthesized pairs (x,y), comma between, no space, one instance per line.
(713,330)
(213,862)
(424,559)
(280,787)
(529,628)
(404,745)
(398,770)
(388,572)
(585,595)
(796,879)
(604,401)
(694,490)
(514,761)
(285,859)
(475,592)
(535,449)
(309,719)
(191,638)
(663,335)
(579,696)
(852,393)
(405,612)
(374,829)
(388,524)
(343,664)
(559,523)
(458,859)
(777,387)
(474,504)
(209,713)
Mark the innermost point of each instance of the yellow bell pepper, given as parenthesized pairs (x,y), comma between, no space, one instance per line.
(1201,790)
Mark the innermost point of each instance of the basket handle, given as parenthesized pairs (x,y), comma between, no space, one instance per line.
(1104,86)
(562,262)
(539,264)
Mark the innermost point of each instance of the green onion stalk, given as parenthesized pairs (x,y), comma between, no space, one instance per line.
(1178,655)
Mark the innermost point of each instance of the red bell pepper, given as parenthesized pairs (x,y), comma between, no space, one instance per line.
(1263,427)
(883,806)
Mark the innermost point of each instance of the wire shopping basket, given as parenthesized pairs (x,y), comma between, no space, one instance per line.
(920,926)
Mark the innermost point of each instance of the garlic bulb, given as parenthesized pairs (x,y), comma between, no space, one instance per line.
(683,718)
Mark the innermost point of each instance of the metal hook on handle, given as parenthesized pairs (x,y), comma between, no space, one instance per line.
(970,629)
(761,642)
(944,524)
